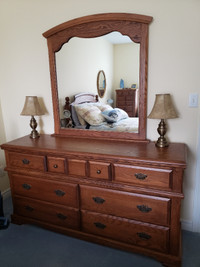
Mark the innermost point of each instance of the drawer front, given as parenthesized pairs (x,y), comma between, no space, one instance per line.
(149,177)
(55,192)
(99,170)
(128,231)
(129,205)
(77,167)
(26,161)
(56,164)
(43,211)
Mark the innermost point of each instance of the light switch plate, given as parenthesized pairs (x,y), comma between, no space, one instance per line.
(193,100)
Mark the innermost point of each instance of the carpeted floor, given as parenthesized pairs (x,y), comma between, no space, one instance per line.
(31,246)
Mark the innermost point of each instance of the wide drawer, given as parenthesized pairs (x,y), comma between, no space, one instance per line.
(52,191)
(26,161)
(149,177)
(123,204)
(128,231)
(99,170)
(43,211)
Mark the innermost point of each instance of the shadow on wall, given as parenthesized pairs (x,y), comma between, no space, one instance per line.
(4,181)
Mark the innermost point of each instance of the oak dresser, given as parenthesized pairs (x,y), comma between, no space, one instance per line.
(127,99)
(121,194)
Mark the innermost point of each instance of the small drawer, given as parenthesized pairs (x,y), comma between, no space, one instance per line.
(55,192)
(56,164)
(99,170)
(43,211)
(143,176)
(123,204)
(77,167)
(26,161)
(127,231)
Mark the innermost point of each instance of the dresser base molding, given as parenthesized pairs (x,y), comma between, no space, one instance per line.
(166,259)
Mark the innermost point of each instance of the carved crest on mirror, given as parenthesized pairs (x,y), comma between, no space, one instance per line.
(131,25)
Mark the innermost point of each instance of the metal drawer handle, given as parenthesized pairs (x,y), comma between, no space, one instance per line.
(140,176)
(26,186)
(144,208)
(59,193)
(99,172)
(98,200)
(25,161)
(99,225)
(55,166)
(61,216)
(29,208)
(144,236)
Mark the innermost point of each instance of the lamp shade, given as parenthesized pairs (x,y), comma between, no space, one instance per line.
(163,108)
(32,107)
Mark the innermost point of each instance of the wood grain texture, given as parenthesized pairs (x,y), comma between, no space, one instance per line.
(132,25)
(94,194)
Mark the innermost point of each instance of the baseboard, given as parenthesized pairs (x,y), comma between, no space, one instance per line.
(187,225)
(6,193)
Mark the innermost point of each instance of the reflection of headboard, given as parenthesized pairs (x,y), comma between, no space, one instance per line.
(85,97)
(79,99)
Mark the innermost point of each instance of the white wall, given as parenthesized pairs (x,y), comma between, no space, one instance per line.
(78,64)
(126,64)
(174,64)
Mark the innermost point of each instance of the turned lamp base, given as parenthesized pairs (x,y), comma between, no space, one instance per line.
(34,133)
(162,129)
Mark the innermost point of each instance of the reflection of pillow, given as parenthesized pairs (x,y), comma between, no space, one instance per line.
(89,113)
(114,115)
(104,107)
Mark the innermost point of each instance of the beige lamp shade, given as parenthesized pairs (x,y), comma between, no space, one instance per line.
(163,108)
(32,107)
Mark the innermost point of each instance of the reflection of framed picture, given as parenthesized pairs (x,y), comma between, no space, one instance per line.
(134,86)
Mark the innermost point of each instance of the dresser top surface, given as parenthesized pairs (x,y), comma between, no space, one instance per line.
(175,153)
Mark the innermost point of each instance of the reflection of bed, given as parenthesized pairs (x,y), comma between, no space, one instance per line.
(89,113)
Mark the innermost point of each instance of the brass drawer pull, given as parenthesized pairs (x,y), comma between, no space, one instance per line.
(99,225)
(99,172)
(144,208)
(55,166)
(61,216)
(98,200)
(26,186)
(144,236)
(140,176)
(59,193)
(25,161)
(29,208)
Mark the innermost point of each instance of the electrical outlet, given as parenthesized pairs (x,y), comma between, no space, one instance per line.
(193,100)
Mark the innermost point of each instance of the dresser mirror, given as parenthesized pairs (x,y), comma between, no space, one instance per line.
(89,29)
(101,83)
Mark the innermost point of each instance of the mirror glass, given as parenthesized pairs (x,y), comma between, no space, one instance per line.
(101,83)
(79,61)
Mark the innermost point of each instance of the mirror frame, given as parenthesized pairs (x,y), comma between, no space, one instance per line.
(133,25)
(98,78)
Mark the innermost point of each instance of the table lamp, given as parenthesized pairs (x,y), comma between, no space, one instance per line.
(32,108)
(162,109)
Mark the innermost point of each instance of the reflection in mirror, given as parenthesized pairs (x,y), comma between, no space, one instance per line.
(65,82)
(77,63)
(101,83)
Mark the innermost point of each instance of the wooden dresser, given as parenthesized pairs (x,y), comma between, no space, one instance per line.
(125,195)
(126,99)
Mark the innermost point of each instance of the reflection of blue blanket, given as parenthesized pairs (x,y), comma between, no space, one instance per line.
(114,115)
(125,125)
